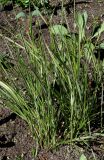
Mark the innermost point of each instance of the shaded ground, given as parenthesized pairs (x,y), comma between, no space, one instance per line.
(15,138)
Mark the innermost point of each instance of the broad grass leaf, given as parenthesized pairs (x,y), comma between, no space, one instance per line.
(101,45)
(85,17)
(83,157)
(10,92)
(36,12)
(20,15)
(98,30)
(58,30)
(81,22)
(88,50)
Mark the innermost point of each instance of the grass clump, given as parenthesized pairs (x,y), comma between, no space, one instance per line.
(54,92)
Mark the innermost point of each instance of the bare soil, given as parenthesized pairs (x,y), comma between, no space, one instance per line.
(15,138)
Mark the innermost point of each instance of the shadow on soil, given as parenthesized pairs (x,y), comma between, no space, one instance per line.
(4,142)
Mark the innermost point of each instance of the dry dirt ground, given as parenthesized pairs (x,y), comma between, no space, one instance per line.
(15,138)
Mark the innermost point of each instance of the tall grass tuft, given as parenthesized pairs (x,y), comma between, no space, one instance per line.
(54,93)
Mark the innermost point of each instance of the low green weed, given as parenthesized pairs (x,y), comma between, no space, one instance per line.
(25,3)
(37,3)
(83,157)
